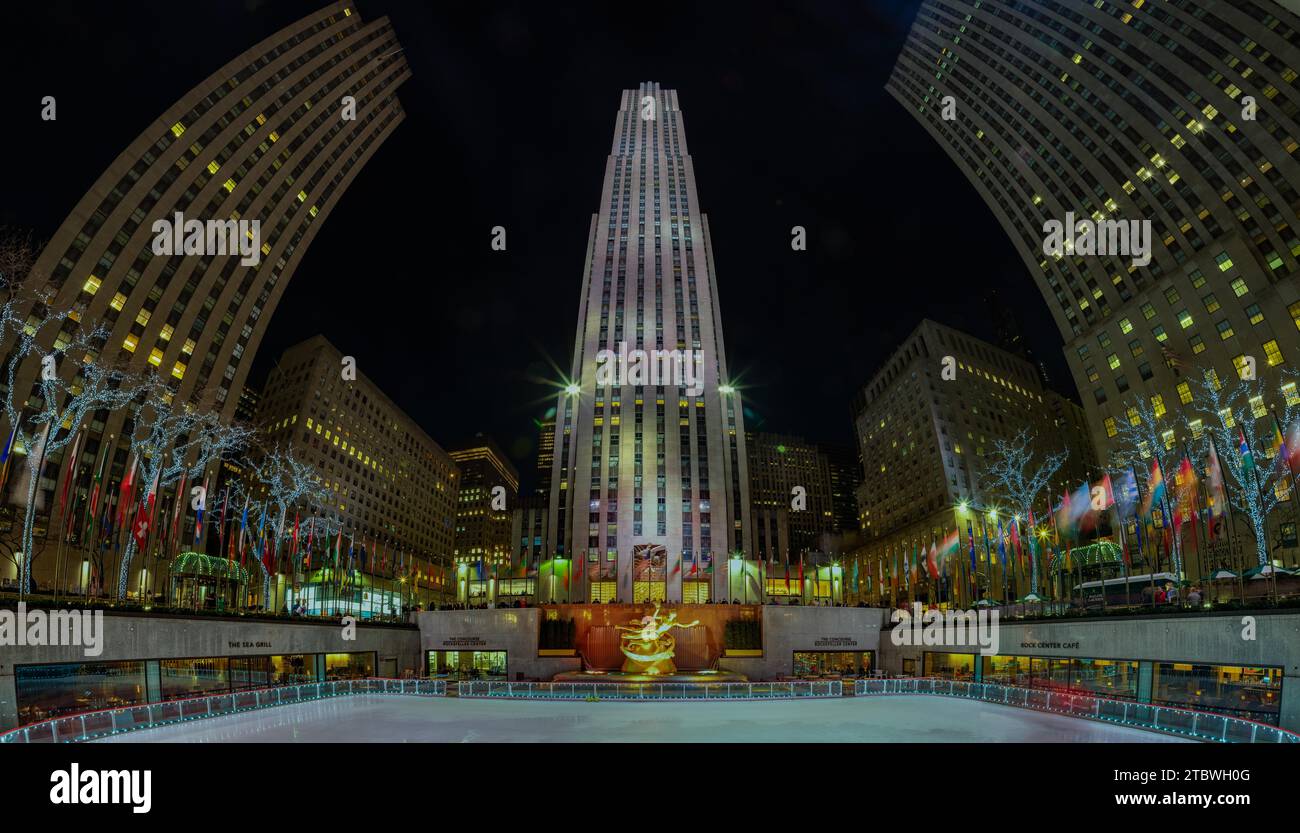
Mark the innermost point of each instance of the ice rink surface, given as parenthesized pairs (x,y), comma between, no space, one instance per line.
(398,719)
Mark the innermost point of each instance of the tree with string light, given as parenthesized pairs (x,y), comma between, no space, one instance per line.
(170,443)
(71,383)
(1239,416)
(1014,473)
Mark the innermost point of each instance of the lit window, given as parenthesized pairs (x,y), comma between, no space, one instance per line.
(213,167)
(1255,313)
(1125,326)
(142,318)
(155,357)
(1257,407)
(1134,418)
(128,344)
(1198,344)
(1185,319)
(1289,391)
(1225,262)
(1239,287)
(1113,361)
(178,129)
(1211,303)
(1158,405)
(1225,416)
(1197,428)
(1273,352)
(1225,329)
(119,300)
(1184,393)
(1111,429)
(178,370)
(1148,311)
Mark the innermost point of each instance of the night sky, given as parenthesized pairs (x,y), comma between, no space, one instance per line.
(509,118)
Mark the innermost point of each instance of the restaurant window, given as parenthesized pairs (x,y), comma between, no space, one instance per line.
(1247,691)
(468,665)
(179,679)
(950,666)
(833,663)
(250,672)
(46,691)
(349,666)
(292,669)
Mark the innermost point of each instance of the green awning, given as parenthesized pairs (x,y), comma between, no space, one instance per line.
(208,566)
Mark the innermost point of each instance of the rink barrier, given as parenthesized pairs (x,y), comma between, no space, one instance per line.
(785,690)
(73,728)
(1199,725)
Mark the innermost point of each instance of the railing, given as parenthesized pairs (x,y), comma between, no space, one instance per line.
(652,691)
(98,724)
(1206,726)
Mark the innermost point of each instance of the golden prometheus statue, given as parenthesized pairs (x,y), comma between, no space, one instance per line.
(648,645)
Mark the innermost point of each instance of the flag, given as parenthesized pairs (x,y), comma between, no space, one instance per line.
(932,564)
(1214,486)
(970,536)
(1283,453)
(1247,459)
(1155,488)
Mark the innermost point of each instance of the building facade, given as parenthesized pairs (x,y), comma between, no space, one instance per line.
(649,490)
(394,490)
(924,440)
(789,523)
(489,493)
(264,139)
(1182,114)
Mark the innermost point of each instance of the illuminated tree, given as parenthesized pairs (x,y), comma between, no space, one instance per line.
(280,482)
(1256,477)
(1015,474)
(70,384)
(1145,433)
(171,442)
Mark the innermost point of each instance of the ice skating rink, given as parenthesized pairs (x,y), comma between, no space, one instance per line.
(397,719)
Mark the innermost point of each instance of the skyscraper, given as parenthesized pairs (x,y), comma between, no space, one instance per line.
(649,489)
(1180,113)
(489,494)
(394,491)
(275,136)
(926,440)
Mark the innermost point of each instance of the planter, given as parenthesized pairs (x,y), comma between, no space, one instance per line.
(557,652)
(743,652)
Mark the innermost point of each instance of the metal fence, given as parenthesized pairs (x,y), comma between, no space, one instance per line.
(98,724)
(1206,726)
(652,691)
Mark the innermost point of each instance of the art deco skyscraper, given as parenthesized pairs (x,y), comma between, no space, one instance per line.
(1132,111)
(649,488)
(268,137)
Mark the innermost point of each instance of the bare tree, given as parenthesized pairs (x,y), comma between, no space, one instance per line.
(1236,416)
(171,442)
(1012,472)
(71,384)
(282,482)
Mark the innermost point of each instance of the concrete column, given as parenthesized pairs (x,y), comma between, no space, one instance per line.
(1288,718)
(8,698)
(152,681)
(1146,674)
